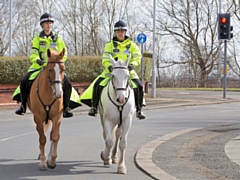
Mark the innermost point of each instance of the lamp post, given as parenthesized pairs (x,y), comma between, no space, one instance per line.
(10,28)
(153,56)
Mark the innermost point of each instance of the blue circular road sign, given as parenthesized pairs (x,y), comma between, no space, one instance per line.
(141,38)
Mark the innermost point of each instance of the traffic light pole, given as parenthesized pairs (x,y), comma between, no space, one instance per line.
(225,69)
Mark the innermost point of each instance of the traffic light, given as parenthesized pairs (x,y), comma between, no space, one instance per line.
(224,27)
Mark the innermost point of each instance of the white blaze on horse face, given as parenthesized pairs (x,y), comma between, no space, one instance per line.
(58,86)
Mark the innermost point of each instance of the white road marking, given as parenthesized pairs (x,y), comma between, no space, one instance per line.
(16,136)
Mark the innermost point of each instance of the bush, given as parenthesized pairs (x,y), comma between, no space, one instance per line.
(78,68)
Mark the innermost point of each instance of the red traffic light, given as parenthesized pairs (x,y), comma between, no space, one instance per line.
(223,20)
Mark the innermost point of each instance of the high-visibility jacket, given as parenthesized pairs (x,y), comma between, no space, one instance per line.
(40,44)
(121,50)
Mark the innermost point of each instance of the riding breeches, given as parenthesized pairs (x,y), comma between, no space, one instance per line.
(67,90)
(97,89)
(138,93)
(25,87)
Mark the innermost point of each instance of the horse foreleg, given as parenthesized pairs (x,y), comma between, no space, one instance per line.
(42,142)
(117,133)
(105,155)
(122,146)
(54,137)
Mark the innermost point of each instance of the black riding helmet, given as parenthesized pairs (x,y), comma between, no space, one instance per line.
(46,17)
(120,25)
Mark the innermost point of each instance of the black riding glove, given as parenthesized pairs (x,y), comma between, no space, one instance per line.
(130,67)
(110,68)
(40,62)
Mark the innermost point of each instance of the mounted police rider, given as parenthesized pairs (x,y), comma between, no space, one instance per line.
(47,39)
(120,47)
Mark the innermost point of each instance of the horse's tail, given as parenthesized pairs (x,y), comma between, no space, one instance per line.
(47,126)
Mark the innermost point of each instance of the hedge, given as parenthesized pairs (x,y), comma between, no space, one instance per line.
(78,68)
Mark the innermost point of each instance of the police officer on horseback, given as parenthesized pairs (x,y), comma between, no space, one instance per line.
(44,40)
(120,47)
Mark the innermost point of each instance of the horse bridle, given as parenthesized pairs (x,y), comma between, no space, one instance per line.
(48,107)
(119,89)
(49,79)
(120,107)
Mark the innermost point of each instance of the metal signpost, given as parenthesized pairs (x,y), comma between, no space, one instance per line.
(141,38)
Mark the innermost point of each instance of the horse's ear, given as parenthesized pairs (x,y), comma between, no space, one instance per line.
(128,59)
(62,53)
(111,58)
(48,53)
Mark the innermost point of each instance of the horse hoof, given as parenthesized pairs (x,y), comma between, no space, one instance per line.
(42,167)
(107,161)
(114,159)
(122,170)
(50,166)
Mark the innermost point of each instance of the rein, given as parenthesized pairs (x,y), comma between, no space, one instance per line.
(120,107)
(47,108)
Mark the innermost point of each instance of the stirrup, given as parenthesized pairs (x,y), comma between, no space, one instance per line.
(140,115)
(93,112)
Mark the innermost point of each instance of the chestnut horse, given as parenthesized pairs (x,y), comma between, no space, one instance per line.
(46,103)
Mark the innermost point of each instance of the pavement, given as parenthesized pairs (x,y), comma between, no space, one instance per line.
(168,99)
(144,156)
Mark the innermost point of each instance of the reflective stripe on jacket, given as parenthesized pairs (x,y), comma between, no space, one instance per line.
(40,44)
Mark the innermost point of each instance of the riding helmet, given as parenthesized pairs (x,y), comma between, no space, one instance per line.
(120,25)
(46,17)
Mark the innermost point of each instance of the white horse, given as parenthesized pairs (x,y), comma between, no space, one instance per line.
(116,109)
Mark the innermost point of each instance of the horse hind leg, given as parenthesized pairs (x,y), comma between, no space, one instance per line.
(54,137)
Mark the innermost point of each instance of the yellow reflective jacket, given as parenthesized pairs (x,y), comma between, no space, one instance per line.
(121,50)
(40,44)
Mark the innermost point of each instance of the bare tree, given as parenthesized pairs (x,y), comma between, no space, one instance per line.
(191,27)
(233,60)
(85,25)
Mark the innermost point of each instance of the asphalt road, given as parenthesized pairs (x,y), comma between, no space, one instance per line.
(81,140)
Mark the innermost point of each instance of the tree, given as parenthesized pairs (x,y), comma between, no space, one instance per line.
(190,26)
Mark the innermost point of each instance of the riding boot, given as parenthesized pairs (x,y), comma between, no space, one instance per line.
(138,94)
(66,98)
(95,97)
(95,100)
(140,114)
(22,109)
(93,111)
(24,91)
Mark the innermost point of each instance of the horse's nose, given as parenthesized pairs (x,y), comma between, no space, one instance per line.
(121,100)
(58,95)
